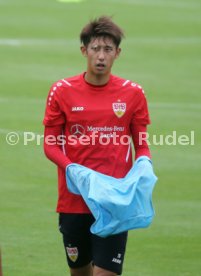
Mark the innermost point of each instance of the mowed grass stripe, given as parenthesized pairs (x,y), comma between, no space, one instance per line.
(66,41)
(160,3)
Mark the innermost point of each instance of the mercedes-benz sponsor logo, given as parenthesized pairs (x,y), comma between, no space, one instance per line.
(77,130)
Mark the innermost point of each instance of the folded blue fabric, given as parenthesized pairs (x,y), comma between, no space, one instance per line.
(117,204)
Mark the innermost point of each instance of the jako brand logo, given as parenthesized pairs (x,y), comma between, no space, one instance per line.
(77,108)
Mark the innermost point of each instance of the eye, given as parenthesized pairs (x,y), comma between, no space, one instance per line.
(108,49)
(95,48)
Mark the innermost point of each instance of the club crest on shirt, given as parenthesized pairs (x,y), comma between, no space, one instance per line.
(72,253)
(119,109)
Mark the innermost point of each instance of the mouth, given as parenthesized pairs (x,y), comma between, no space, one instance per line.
(100,66)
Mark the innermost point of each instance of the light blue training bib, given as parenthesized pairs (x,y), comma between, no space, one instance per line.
(117,204)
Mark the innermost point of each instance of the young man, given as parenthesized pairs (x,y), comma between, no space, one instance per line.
(96,112)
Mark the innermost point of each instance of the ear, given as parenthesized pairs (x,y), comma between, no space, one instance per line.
(83,50)
(118,52)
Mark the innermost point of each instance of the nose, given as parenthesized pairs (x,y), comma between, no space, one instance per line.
(101,55)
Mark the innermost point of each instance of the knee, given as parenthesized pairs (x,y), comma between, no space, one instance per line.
(83,271)
(102,272)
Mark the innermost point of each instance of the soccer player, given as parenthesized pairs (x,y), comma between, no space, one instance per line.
(93,117)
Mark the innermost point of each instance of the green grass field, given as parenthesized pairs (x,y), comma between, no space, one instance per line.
(39,45)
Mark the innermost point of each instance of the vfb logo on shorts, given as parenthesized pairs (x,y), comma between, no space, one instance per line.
(119,109)
(72,253)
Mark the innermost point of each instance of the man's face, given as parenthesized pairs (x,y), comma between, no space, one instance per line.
(101,53)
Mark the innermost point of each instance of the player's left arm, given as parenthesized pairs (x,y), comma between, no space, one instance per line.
(139,134)
(139,123)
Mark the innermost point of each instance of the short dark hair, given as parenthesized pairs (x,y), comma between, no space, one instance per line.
(101,27)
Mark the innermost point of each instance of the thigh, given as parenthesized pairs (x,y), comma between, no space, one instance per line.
(108,253)
(75,229)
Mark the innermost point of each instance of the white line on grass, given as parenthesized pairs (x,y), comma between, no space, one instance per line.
(37,41)
(20,132)
(20,42)
(166,105)
(22,100)
(164,40)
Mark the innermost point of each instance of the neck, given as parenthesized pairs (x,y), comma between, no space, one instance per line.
(96,79)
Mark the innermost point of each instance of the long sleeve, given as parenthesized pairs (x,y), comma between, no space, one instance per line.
(53,148)
(139,133)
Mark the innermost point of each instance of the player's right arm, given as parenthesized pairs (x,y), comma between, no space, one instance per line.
(53,150)
(54,122)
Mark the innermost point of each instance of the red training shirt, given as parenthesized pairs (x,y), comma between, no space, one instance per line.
(97,123)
